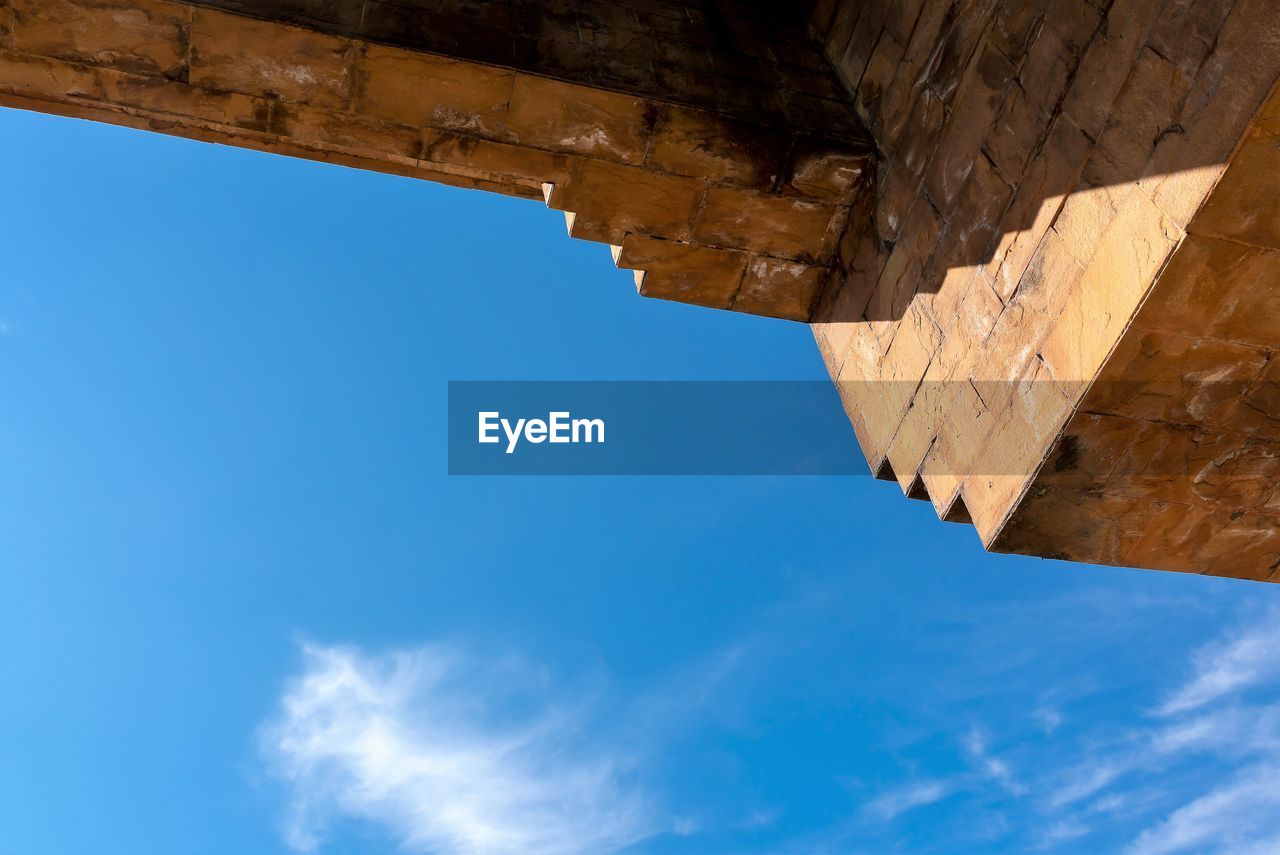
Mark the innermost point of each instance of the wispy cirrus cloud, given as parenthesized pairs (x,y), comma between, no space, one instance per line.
(975,745)
(448,753)
(1062,831)
(1240,815)
(1197,772)
(1227,666)
(889,804)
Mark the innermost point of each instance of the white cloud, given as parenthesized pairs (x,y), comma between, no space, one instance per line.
(449,754)
(1228,666)
(1086,780)
(1049,719)
(1231,818)
(1159,778)
(889,804)
(975,745)
(1061,832)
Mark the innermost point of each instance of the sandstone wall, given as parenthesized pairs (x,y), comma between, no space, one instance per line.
(717,164)
(1042,165)
(1038,237)
(1172,458)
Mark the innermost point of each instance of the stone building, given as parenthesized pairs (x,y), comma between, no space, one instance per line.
(1038,241)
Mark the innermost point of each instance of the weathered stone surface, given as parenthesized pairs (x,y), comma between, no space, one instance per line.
(826,169)
(33,76)
(418,89)
(1096,309)
(673,270)
(1119,281)
(1243,207)
(1178,378)
(900,277)
(1047,303)
(349,133)
(235,54)
(152,94)
(1107,63)
(970,123)
(626,199)
(774,225)
(147,37)
(1233,83)
(426,93)
(1042,193)
(495,157)
(702,144)
(563,117)
(1028,110)
(780,289)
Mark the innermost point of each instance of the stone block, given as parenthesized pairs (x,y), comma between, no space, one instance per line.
(612,200)
(1258,411)
(571,118)
(1086,214)
(919,427)
(1107,63)
(972,229)
(1188,30)
(1181,463)
(950,458)
(977,105)
(797,229)
(516,161)
(1168,377)
(41,78)
(873,413)
(1050,274)
(1099,306)
(702,144)
(902,273)
(1029,108)
(353,134)
(1091,448)
(1016,443)
(1075,22)
(1219,289)
(1246,546)
(1009,355)
(140,36)
(909,354)
(1245,206)
(902,95)
(829,169)
(1038,198)
(414,88)
(877,77)
(1147,109)
(237,54)
(675,270)
(779,289)
(179,101)
(1015,24)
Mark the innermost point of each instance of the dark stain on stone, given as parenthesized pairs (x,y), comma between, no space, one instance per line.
(261,118)
(649,117)
(1068,457)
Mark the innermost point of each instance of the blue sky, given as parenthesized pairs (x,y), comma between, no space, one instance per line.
(244,609)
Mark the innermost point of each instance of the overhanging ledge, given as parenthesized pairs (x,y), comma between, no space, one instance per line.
(728,202)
